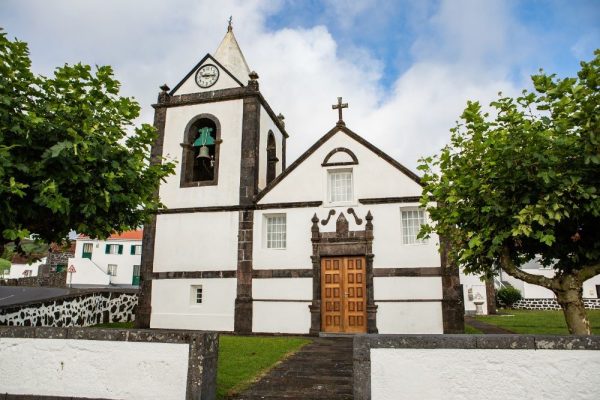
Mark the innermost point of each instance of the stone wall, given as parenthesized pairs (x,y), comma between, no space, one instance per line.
(551,304)
(494,367)
(82,309)
(43,279)
(89,363)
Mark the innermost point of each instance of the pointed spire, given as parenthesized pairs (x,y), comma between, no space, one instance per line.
(230,56)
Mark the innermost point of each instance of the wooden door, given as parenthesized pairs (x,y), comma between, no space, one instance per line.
(343,295)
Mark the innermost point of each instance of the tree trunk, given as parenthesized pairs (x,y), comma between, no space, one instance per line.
(569,294)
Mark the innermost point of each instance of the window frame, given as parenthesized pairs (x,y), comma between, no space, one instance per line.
(113,268)
(266,219)
(134,248)
(328,186)
(194,290)
(403,236)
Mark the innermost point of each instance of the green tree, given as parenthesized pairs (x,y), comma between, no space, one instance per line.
(70,157)
(522,182)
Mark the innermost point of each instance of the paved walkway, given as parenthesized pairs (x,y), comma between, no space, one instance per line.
(486,328)
(320,370)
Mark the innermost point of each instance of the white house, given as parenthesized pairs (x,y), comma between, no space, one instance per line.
(249,244)
(591,287)
(114,261)
(24,270)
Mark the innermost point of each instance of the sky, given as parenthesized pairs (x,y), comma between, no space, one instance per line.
(406,68)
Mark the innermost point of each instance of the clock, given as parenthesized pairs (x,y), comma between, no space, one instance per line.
(207,76)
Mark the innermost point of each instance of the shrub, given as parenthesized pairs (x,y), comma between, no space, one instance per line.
(507,296)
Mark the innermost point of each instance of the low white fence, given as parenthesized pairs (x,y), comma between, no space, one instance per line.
(78,363)
(453,367)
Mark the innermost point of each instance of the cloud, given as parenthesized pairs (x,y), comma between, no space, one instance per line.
(459,50)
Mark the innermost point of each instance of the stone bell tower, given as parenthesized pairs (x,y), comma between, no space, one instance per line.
(228,144)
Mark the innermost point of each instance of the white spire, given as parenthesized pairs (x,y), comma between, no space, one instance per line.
(230,56)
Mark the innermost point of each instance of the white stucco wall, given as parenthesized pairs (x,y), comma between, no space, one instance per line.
(454,374)
(281,317)
(173,306)
(93,368)
(224,82)
(282,288)
(409,317)
(229,114)
(205,241)
(17,270)
(395,288)
(94,271)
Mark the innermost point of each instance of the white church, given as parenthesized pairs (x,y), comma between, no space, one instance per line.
(247,243)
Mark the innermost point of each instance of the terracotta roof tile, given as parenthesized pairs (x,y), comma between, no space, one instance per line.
(127,235)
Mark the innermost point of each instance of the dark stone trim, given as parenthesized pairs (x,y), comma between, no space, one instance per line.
(322,141)
(202,362)
(283,153)
(362,345)
(190,210)
(144,308)
(453,307)
(194,274)
(409,301)
(243,301)
(189,74)
(222,95)
(388,200)
(281,273)
(296,204)
(281,301)
(187,165)
(326,162)
(413,271)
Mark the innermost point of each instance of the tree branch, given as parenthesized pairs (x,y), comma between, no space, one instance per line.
(510,268)
(589,271)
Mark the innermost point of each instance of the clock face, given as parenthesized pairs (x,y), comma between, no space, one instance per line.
(207,76)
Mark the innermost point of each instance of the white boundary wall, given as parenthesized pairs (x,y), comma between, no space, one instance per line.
(93,368)
(453,374)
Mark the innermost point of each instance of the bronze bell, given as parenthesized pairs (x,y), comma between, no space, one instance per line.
(203,153)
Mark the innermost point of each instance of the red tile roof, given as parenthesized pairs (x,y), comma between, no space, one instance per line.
(127,235)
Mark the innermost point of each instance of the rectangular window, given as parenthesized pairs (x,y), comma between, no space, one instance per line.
(112,269)
(411,225)
(114,249)
(136,249)
(196,294)
(87,250)
(276,231)
(340,186)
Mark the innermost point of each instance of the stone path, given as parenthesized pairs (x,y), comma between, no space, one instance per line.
(486,328)
(320,370)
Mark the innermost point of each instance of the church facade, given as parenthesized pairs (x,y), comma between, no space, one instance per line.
(249,244)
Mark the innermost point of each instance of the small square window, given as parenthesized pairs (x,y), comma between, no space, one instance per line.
(412,219)
(275,231)
(196,295)
(113,249)
(339,184)
(112,269)
(136,249)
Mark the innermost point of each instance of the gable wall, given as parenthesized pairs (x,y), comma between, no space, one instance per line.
(229,114)
(224,82)
(373,176)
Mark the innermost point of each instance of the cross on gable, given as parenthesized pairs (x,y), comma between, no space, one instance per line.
(339,106)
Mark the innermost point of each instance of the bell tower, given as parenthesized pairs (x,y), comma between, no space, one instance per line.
(228,144)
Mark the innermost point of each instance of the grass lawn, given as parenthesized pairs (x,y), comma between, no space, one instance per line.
(243,359)
(471,331)
(537,322)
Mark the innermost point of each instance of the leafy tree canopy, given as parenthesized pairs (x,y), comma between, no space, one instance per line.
(523,181)
(70,157)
